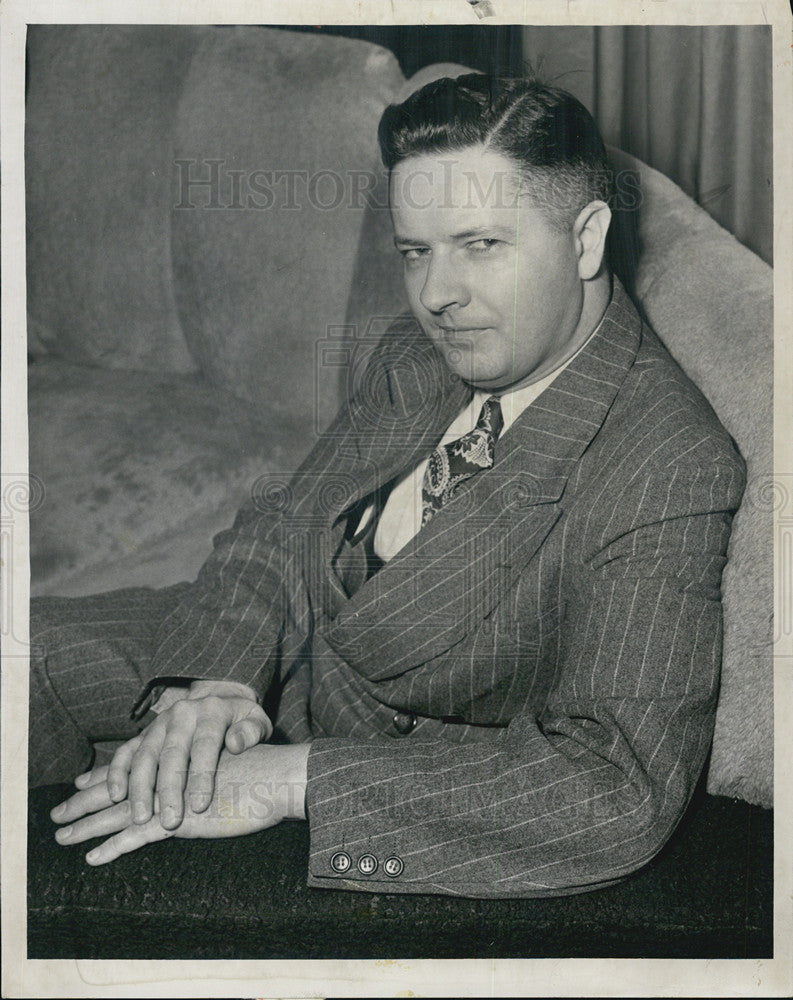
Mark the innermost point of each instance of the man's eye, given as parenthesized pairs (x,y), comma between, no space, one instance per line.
(483,245)
(414,253)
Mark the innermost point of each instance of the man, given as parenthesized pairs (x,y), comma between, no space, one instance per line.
(489,607)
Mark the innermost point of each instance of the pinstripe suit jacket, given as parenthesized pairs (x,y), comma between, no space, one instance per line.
(555,631)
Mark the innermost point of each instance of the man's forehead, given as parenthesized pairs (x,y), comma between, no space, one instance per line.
(467,180)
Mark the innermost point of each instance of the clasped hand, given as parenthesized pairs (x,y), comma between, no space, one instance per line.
(201,751)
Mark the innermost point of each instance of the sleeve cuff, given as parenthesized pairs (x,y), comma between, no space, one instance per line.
(163,692)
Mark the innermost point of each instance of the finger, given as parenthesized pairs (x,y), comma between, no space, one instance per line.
(204,756)
(109,820)
(91,777)
(247,732)
(143,773)
(118,772)
(128,839)
(172,775)
(88,800)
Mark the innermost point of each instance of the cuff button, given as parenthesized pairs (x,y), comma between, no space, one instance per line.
(367,864)
(393,867)
(340,862)
(404,723)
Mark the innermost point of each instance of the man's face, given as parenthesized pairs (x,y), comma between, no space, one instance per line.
(491,282)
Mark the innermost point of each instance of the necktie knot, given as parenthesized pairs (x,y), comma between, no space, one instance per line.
(453,463)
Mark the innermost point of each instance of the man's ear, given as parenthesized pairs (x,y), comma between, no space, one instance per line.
(589,234)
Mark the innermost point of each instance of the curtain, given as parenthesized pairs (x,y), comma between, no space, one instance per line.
(693,102)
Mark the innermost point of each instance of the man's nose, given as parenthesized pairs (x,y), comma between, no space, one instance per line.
(444,286)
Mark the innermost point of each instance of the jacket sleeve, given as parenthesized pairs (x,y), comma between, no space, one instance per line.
(589,789)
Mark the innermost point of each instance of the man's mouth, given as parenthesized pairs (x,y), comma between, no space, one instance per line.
(454,330)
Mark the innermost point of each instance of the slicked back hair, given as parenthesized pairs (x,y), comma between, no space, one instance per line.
(546,132)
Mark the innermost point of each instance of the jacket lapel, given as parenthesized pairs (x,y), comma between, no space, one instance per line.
(398,413)
(464,562)
(405,401)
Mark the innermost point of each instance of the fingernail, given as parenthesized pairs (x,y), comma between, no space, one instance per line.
(64,833)
(168,816)
(115,791)
(58,810)
(198,802)
(92,855)
(139,813)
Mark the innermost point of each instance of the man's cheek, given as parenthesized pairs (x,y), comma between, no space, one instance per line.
(414,282)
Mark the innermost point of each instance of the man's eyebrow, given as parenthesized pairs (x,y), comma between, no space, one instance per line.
(466,234)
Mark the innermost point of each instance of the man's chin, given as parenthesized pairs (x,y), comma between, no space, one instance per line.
(465,366)
(477,370)
(486,383)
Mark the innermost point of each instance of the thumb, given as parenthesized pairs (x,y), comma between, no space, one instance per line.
(247,732)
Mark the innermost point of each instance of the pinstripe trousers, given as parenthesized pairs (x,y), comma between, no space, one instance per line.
(87,666)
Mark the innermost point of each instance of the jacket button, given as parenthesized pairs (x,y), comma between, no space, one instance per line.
(367,864)
(340,862)
(404,722)
(393,867)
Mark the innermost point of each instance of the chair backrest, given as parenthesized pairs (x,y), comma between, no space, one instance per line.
(196,197)
(101,103)
(710,299)
(296,114)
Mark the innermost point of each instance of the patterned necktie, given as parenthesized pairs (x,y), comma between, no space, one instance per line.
(451,464)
